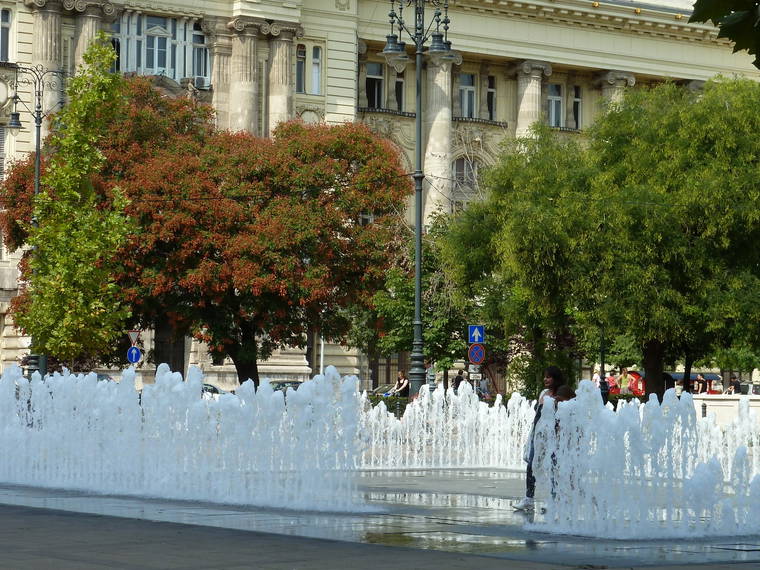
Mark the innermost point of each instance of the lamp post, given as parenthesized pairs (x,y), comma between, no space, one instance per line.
(38,78)
(395,54)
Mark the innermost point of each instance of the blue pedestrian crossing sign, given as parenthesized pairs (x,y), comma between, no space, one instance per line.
(477,333)
(134,355)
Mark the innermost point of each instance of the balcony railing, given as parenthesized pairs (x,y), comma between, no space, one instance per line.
(501,124)
(385,111)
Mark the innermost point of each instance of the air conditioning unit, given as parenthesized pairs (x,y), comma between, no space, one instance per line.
(200,82)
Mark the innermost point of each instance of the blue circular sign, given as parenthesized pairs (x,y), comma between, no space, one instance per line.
(134,355)
(476,353)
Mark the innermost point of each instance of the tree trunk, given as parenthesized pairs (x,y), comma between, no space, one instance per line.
(374,368)
(445,379)
(687,364)
(654,355)
(170,346)
(244,357)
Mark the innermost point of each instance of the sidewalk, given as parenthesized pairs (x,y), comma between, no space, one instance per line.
(42,539)
(435,519)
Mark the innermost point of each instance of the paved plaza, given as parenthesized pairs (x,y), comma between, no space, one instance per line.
(419,519)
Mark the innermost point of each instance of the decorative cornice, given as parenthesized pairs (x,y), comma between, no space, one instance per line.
(175,9)
(282,30)
(531,67)
(247,25)
(91,6)
(450,57)
(615,77)
(635,18)
(39,4)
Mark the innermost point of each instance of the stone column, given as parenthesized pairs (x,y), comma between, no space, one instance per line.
(244,76)
(613,84)
(89,15)
(530,76)
(46,50)
(220,48)
(437,125)
(280,78)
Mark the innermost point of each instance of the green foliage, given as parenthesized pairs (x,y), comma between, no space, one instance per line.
(513,253)
(71,305)
(737,20)
(444,316)
(394,404)
(649,231)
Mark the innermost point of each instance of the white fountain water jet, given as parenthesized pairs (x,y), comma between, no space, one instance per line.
(258,447)
(636,473)
(641,471)
(444,429)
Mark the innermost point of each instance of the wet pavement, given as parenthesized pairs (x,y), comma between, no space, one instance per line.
(463,512)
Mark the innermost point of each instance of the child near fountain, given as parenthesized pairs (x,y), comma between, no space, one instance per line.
(553,380)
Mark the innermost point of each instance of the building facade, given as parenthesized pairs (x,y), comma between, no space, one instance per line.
(259,62)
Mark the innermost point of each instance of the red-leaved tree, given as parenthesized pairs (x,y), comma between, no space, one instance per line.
(246,243)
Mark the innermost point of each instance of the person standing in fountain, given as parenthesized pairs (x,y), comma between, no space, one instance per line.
(401,388)
(458,380)
(553,379)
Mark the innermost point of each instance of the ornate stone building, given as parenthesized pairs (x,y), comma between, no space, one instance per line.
(263,61)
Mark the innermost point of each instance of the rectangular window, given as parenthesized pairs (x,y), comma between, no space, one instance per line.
(316,70)
(491,98)
(5,34)
(577,106)
(301,68)
(467,95)
(554,102)
(374,85)
(399,91)
(201,68)
(157,45)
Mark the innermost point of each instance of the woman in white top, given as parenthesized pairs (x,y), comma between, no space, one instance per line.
(553,379)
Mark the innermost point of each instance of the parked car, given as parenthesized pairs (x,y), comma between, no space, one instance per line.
(211,392)
(283,385)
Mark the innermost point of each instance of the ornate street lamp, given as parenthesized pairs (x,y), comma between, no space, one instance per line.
(39,79)
(395,54)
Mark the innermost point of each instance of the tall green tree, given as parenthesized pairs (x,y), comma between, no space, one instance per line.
(647,230)
(444,319)
(69,300)
(674,185)
(515,252)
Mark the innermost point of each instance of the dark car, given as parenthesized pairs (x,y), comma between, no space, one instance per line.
(211,392)
(283,385)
